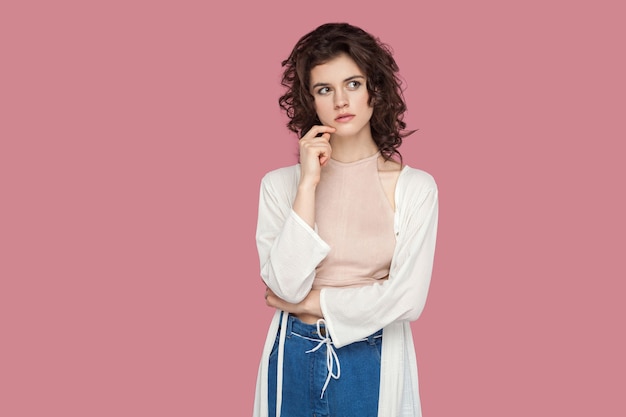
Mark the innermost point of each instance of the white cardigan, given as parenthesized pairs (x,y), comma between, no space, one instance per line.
(289,251)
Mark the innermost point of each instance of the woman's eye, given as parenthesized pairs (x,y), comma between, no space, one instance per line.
(354,84)
(323,90)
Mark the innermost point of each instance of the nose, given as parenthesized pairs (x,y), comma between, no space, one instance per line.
(341,99)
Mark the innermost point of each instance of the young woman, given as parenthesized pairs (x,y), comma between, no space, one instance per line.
(346,238)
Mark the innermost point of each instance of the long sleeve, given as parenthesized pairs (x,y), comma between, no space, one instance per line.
(289,249)
(354,313)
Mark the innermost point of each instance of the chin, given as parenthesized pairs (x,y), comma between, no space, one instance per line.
(347,131)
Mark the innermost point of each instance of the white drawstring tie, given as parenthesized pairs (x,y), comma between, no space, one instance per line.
(331,355)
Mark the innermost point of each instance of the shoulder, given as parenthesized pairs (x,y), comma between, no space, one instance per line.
(284,179)
(414,179)
(416,189)
(282,173)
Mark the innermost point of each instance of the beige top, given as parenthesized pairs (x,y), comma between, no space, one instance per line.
(354,216)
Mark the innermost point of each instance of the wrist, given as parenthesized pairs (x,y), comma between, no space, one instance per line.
(307,185)
(313,305)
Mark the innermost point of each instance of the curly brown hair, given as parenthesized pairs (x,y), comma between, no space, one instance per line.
(372,56)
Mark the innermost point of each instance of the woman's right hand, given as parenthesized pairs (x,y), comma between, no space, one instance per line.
(315,152)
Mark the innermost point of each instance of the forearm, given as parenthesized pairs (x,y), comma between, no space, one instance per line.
(315,152)
(309,309)
(304,203)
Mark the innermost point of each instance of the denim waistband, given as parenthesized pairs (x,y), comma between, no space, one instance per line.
(297,326)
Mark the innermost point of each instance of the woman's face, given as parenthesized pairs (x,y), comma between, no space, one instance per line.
(341,98)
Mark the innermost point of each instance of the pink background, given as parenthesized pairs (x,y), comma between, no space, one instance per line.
(133,136)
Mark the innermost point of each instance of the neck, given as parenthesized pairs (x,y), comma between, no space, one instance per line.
(350,149)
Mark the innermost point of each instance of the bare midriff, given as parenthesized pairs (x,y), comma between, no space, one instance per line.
(308,318)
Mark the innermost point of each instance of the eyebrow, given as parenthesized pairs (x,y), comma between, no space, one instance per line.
(316,85)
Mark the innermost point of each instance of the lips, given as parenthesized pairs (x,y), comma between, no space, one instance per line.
(343,118)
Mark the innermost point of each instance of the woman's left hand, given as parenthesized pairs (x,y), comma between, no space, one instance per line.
(309,306)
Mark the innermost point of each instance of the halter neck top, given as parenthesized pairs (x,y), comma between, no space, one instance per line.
(354,216)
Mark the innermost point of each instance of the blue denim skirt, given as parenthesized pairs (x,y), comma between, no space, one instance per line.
(321,380)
